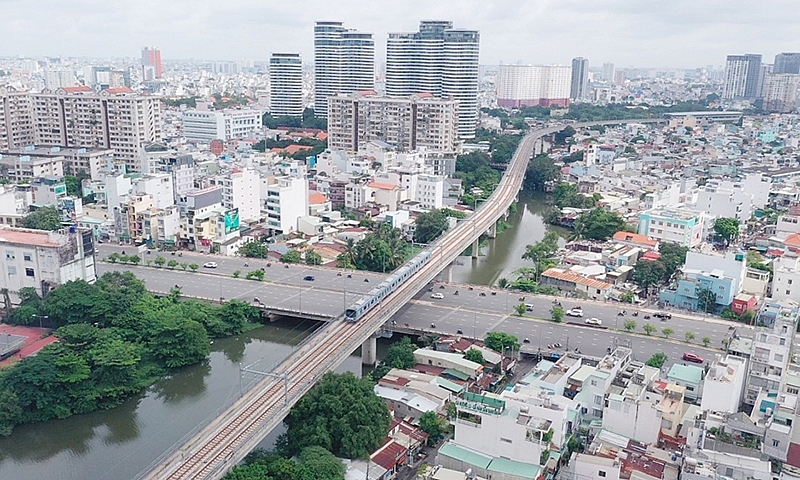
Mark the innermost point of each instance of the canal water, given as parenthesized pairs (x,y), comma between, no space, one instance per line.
(119,443)
(502,255)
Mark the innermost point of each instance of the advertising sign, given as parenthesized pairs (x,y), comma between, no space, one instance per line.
(231,220)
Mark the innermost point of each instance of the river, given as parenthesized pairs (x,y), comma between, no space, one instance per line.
(117,444)
(502,255)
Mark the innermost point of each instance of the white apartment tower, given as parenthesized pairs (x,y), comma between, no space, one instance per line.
(780,92)
(285,85)
(344,62)
(529,85)
(241,189)
(580,78)
(742,73)
(16,119)
(438,60)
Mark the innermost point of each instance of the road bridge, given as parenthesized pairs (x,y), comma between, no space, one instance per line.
(227,439)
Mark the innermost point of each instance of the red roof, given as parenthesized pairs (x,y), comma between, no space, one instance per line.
(651,255)
(623,236)
(82,88)
(382,186)
(119,90)
(317,199)
(391,454)
(793,455)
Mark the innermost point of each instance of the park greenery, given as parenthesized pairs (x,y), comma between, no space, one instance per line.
(474,169)
(317,147)
(313,463)
(541,171)
(587,112)
(115,339)
(501,147)
(430,225)
(308,120)
(566,195)
(341,414)
(500,341)
(542,254)
(45,218)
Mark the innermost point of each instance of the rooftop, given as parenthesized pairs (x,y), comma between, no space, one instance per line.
(687,373)
(28,237)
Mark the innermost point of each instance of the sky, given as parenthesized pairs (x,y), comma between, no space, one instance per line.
(629,33)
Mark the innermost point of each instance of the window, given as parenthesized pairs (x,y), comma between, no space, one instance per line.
(594,383)
(775,443)
(778,357)
(789,281)
(689,389)
(505,440)
(27,256)
(601,473)
(10,255)
(29,272)
(12,270)
(788,292)
(783,341)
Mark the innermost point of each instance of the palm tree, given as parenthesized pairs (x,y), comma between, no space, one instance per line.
(348,256)
(503,282)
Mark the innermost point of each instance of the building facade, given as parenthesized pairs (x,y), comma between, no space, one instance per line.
(285,85)
(438,60)
(681,227)
(580,78)
(529,85)
(229,124)
(786,63)
(344,62)
(151,64)
(742,73)
(780,92)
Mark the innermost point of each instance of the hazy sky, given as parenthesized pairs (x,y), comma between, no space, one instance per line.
(668,33)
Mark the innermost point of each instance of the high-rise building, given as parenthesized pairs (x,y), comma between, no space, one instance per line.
(344,62)
(420,120)
(780,92)
(228,124)
(742,74)
(580,78)
(528,85)
(16,119)
(438,60)
(608,72)
(787,63)
(151,64)
(285,85)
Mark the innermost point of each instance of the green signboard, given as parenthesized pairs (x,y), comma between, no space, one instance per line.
(231,220)
(61,189)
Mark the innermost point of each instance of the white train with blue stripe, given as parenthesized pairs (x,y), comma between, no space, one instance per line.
(374,297)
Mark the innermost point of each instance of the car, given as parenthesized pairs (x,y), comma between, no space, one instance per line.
(437,295)
(575,312)
(528,307)
(309,278)
(593,321)
(662,315)
(210,265)
(526,340)
(691,357)
(551,356)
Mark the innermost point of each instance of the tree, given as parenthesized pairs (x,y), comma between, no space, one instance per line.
(727,229)
(255,275)
(236,273)
(184,265)
(341,413)
(541,170)
(193,267)
(520,309)
(44,218)
(499,341)
(160,261)
(706,341)
(347,259)
(657,360)
(292,256)
(177,341)
(172,263)
(474,355)
(647,273)
(399,355)
(73,185)
(433,425)
(706,299)
(542,253)
(503,282)
(667,332)
(114,257)
(557,313)
(253,249)
(134,259)
(598,224)
(430,225)
(561,137)
(627,297)
(648,329)
(689,336)
(313,258)
(629,325)
(316,463)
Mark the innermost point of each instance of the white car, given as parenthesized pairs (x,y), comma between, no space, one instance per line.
(575,312)
(210,265)
(593,321)
(437,295)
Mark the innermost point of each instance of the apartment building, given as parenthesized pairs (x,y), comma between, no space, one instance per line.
(16,119)
(531,85)
(159,186)
(786,278)
(684,227)
(76,160)
(241,190)
(26,167)
(228,124)
(724,385)
(409,123)
(286,85)
(742,73)
(285,200)
(43,260)
(723,275)
(780,92)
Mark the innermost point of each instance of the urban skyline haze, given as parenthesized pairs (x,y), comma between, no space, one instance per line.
(628,33)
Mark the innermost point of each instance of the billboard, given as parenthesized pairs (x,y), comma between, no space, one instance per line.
(231,220)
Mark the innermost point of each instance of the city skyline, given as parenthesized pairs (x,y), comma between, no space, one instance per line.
(631,34)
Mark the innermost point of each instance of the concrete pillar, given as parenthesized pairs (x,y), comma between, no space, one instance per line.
(476,247)
(448,273)
(493,230)
(369,351)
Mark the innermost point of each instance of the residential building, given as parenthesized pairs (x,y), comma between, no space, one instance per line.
(151,64)
(228,124)
(580,78)
(608,72)
(285,200)
(742,74)
(786,278)
(196,207)
(723,275)
(713,465)
(241,191)
(344,62)
(528,85)
(724,385)
(566,280)
(43,260)
(285,85)
(48,190)
(780,92)
(684,227)
(786,63)
(439,60)
(16,119)
(22,168)
(182,168)
(453,457)
(449,361)
(405,124)
(159,186)
(55,78)
(725,200)
(688,376)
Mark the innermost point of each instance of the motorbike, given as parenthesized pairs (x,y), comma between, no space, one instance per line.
(269,264)
(338,274)
(441,287)
(635,314)
(177,287)
(647,317)
(286,266)
(433,325)
(459,331)
(456,293)
(246,264)
(173,254)
(180,254)
(349,276)
(366,280)
(494,293)
(483,294)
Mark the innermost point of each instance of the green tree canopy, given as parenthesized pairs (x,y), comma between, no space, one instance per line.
(45,218)
(292,256)
(542,254)
(475,355)
(657,360)
(598,224)
(313,258)
(727,229)
(498,341)
(647,273)
(430,225)
(253,249)
(541,170)
(341,414)
(382,251)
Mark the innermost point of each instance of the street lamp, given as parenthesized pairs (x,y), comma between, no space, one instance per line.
(40,319)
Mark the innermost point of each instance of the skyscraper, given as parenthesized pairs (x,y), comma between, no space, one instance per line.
(608,72)
(439,60)
(787,63)
(151,63)
(580,70)
(780,92)
(742,75)
(344,62)
(527,85)
(285,85)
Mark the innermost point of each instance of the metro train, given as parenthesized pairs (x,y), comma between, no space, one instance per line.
(373,297)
